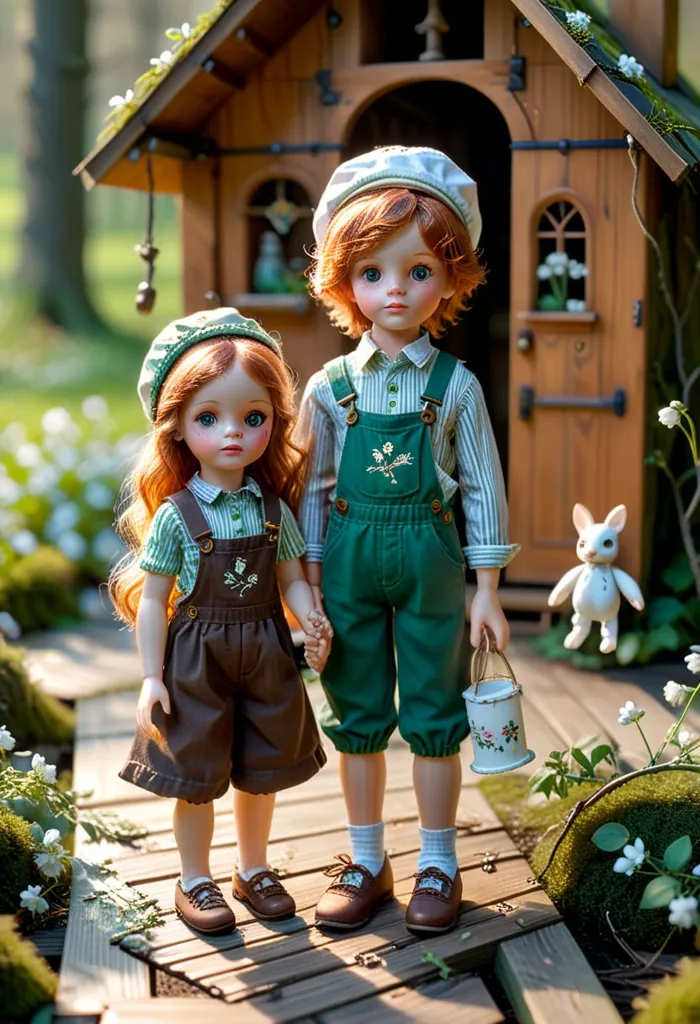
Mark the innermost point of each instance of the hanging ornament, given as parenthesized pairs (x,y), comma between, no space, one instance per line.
(146,293)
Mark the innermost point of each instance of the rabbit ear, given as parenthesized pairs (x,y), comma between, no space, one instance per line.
(582,518)
(617,518)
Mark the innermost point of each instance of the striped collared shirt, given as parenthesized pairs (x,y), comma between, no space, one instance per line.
(462,440)
(171,551)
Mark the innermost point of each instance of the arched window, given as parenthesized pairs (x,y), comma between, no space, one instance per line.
(279,230)
(562,271)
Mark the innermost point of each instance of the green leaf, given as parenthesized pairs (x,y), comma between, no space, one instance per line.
(678,576)
(663,638)
(90,829)
(628,647)
(173,33)
(604,752)
(665,610)
(611,836)
(549,303)
(543,781)
(659,893)
(578,755)
(678,853)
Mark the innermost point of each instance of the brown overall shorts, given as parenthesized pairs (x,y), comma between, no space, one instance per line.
(238,706)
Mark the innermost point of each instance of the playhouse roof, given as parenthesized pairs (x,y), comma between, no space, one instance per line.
(239,35)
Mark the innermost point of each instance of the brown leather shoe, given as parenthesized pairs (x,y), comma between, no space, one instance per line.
(264,895)
(355,897)
(205,909)
(434,904)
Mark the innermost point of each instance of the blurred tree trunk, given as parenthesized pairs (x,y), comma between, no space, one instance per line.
(51,279)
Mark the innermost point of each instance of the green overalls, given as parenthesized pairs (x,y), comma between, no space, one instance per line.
(393,583)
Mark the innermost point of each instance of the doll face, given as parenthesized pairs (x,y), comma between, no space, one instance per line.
(400,285)
(226,424)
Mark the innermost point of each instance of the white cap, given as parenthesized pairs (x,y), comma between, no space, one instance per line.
(418,167)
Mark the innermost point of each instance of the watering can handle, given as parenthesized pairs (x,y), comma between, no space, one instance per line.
(487,646)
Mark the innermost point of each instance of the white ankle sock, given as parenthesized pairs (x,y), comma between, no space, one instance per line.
(368,846)
(191,882)
(251,872)
(437,850)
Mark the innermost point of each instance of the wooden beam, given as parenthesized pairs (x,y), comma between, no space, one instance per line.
(649,28)
(603,88)
(223,73)
(254,40)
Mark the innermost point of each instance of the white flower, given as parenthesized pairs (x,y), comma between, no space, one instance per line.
(94,407)
(73,545)
(693,662)
(577,19)
(9,626)
(675,404)
(575,305)
(696,870)
(577,270)
(52,840)
(98,495)
(629,67)
(544,272)
(161,62)
(24,542)
(183,32)
(28,455)
(57,421)
(676,694)
(685,736)
(633,858)
(33,901)
(7,740)
(630,713)
(121,101)
(42,770)
(387,447)
(50,864)
(556,259)
(669,417)
(684,912)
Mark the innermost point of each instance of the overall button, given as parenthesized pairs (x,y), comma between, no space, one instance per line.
(393,388)
(436,506)
(392,404)
(192,611)
(341,506)
(206,545)
(447,518)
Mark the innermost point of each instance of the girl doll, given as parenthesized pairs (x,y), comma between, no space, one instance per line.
(387,427)
(221,699)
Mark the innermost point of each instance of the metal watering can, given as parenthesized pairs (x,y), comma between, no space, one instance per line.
(495,712)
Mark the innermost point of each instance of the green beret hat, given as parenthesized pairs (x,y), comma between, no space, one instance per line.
(181,335)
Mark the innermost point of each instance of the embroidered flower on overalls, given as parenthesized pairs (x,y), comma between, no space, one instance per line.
(236,580)
(387,468)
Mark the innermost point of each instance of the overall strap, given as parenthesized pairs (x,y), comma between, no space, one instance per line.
(194,519)
(441,374)
(343,391)
(272,511)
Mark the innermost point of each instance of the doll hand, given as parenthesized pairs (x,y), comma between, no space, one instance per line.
(317,640)
(153,692)
(486,611)
(318,599)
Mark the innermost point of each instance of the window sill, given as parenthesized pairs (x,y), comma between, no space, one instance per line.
(558,317)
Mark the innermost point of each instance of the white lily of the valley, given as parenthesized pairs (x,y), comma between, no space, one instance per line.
(684,912)
(676,694)
(44,771)
(632,858)
(163,60)
(669,417)
(543,272)
(575,305)
(692,660)
(32,900)
(7,740)
(630,713)
(121,101)
(578,19)
(685,737)
(629,67)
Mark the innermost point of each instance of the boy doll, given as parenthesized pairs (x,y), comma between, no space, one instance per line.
(387,427)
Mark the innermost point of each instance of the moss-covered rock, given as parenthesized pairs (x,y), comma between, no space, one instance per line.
(674,1000)
(39,589)
(26,980)
(659,808)
(17,867)
(31,715)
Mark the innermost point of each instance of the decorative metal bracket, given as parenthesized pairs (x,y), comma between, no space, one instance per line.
(324,79)
(564,145)
(529,400)
(516,74)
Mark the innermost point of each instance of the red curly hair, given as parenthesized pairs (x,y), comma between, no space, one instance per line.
(367,222)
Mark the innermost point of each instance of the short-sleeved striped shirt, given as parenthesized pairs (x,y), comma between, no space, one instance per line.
(462,440)
(171,551)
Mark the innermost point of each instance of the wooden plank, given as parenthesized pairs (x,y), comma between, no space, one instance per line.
(168,1011)
(450,1002)
(547,978)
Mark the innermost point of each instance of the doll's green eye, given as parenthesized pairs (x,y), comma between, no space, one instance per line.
(421,273)
(255,419)
(371,274)
(207,419)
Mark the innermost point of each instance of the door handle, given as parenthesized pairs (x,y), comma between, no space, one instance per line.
(529,400)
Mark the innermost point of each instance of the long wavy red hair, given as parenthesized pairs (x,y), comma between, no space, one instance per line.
(367,222)
(165,465)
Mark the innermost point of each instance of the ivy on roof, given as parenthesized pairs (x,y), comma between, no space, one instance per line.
(183,39)
(653,102)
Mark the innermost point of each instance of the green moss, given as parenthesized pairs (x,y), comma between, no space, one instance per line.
(39,589)
(674,1000)
(26,981)
(17,867)
(31,715)
(658,808)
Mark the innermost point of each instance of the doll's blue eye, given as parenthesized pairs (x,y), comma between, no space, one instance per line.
(255,419)
(371,274)
(421,273)
(207,419)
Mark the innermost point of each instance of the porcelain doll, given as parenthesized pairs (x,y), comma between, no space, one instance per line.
(213,541)
(596,585)
(387,427)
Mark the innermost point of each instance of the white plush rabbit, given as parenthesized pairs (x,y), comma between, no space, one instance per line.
(596,585)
